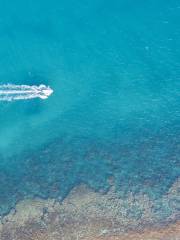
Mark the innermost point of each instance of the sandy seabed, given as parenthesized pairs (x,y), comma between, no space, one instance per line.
(88,215)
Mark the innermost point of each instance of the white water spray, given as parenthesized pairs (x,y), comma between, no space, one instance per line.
(10,92)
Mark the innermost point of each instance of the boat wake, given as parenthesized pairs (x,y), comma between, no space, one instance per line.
(10,92)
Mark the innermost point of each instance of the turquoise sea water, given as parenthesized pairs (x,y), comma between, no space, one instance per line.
(114,67)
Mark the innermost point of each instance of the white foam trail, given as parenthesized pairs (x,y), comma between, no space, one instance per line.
(10,92)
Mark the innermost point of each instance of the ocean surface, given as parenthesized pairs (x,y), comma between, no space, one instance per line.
(114,115)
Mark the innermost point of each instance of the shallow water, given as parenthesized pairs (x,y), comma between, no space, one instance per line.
(114,68)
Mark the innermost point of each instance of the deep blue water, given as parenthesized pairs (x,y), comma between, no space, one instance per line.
(114,67)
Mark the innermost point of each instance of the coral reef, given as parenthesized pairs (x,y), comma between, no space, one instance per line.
(88,215)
